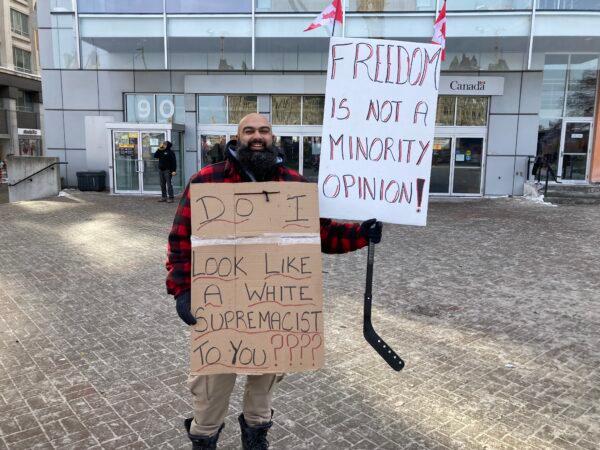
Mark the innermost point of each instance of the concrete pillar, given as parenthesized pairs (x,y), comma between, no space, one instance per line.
(38,109)
(12,125)
(4,143)
(595,160)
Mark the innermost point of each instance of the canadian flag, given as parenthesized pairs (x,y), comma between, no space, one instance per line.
(331,14)
(439,30)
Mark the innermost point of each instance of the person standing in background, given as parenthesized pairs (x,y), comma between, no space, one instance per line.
(167,167)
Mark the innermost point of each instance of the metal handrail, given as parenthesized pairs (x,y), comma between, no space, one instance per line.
(35,173)
(543,163)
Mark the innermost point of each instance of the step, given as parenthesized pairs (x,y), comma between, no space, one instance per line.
(572,200)
(588,188)
(572,194)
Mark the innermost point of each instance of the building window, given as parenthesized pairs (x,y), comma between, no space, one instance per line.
(170,108)
(282,44)
(122,42)
(570,77)
(446,110)
(553,85)
(225,109)
(490,5)
(208,6)
(19,22)
(462,111)
(24,101)
(239,106)
(29,146)
(581,87)
(61,5)
(286,109)
(577,5)
(22,60)
(471,111)
(286,6)
(312,109)
(548,146)
(120,6)
(155,108)
(65,42)
(210,43)
(212,109)
(390,5)
(566,113)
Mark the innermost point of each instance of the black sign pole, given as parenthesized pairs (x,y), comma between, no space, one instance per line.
(371,336)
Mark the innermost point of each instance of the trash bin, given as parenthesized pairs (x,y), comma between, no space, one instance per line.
(91,181)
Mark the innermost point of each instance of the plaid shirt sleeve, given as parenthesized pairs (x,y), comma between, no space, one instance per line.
(338,237)
(179,249)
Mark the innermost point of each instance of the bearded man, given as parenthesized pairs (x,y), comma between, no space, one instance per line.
(252,158)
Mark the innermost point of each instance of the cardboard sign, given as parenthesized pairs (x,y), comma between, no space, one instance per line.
(378,127)
(256,278)
(252,209)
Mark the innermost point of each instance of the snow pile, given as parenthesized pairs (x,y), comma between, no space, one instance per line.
(532,193)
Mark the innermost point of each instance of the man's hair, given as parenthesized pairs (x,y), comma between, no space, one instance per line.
(168,145)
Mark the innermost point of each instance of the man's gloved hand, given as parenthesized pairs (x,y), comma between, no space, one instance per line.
(371,230)
(184,307)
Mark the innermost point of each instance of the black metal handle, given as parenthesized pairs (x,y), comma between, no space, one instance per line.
(371,336)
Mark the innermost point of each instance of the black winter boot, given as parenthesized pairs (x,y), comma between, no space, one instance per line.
(254,438)
(202,442)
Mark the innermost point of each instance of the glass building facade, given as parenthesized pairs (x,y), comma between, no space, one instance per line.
(203,64)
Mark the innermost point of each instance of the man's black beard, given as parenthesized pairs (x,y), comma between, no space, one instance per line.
(260,163)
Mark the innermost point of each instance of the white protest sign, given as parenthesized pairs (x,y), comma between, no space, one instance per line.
(378,126)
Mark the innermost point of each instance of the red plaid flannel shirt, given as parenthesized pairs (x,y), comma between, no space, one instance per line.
(335,237)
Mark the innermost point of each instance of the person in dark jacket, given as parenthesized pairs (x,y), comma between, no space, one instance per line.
(252,158)
(167,168)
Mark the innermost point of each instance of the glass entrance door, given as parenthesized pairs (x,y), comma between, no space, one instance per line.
(135,169)
(457,165)
(468,159)
(311,156)
(213,147)
(290,147)
(149,164)
(575,150)
(126,163)
(440,166)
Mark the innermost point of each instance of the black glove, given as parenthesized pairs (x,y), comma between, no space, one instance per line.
(371,230)
(184,308)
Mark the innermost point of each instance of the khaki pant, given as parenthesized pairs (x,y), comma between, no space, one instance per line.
(211,394)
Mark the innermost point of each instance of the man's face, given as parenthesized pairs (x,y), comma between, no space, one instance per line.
(255,132)
(162,146)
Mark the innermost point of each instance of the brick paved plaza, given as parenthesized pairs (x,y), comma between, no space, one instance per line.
(495,307)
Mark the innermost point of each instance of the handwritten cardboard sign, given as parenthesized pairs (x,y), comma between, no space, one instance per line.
(378,127)
(256,278)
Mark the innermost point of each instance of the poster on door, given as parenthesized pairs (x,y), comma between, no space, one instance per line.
(378,127)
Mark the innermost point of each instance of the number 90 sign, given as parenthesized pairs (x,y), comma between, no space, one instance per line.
(166,109)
